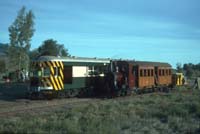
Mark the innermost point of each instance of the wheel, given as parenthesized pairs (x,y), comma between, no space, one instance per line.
(61,95)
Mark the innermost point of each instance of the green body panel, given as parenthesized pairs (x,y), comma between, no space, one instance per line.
(77,83)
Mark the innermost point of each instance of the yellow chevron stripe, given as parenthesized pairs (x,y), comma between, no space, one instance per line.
(49,64)
(61,74)
(52,71)
(43,82)
(48,82)
(53,63)
(61,82)
(43,64)
(62,66)
(57,63)
(57,83)
(53,83)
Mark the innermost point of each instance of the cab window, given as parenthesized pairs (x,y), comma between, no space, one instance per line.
(46,72)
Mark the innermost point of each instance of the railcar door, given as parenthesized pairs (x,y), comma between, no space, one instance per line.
(67,74)
(135,75)
(131,77)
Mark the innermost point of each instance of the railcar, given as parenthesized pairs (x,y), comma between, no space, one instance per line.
(65,77)
(178,79)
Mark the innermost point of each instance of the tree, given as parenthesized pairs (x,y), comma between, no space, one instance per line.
(2,66)
(34,54)
(51,47)
(3,57)
(21,32)
(179,67)
(192,70)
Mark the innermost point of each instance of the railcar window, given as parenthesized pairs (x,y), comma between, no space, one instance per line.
(55,71)
(91,70)
(46,71)
(67,74)
(59,69)
(96,70)
(103,69)
(167,72)
(35,72)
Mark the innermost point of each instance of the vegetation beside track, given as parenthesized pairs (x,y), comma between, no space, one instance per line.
(174,112)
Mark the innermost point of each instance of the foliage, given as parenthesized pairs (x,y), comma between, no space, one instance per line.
(192,70)
(179,68)
(2,66)
(3,58)
(4,47)
(21,32)
(34,54)
(49,47)
(175,112)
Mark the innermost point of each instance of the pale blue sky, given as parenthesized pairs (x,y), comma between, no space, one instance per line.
(152,30)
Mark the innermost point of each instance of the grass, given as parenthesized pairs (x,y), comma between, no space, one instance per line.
(175,112)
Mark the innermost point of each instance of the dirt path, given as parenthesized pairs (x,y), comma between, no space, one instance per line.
(38,106)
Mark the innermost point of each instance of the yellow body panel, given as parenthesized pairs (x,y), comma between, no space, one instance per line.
(178,79)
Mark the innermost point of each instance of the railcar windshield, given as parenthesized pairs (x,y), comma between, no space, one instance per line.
(36,72)
(46,72)
(40,72)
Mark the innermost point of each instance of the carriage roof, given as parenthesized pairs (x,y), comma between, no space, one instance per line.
(145,63)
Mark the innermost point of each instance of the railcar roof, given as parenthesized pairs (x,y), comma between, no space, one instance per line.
(72,59)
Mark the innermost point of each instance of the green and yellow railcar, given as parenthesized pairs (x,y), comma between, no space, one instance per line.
(65,77)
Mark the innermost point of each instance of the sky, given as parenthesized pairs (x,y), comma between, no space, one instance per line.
(148,30)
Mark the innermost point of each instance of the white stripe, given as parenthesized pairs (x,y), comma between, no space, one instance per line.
(46,88)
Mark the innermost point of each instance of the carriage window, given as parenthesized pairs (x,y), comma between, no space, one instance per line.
(145,72)
(133,71)
(170,72)
(163,72)
(151,72)
(141,72)
(167,72)
(159,72)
